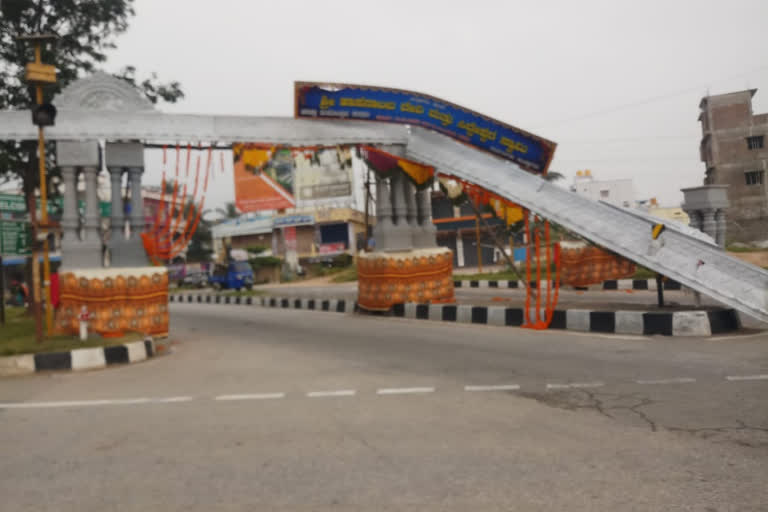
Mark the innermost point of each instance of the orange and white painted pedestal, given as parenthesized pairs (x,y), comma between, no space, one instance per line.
(420,275)
(120,299)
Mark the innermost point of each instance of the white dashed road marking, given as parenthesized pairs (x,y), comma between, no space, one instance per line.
(174,399)
(403,391)
(74,403)
(347,393)
(340,392)
(576,385)
(675,380)
(747,377)
(500,387)
(252,396)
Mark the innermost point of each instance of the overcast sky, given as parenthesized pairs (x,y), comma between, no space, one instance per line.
(615,83)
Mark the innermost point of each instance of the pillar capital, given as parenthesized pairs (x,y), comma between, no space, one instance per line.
(124,154)
(71,153)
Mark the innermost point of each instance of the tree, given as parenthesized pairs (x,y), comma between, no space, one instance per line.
(554,176)
(86,29)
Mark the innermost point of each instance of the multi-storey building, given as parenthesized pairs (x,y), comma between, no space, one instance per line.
(734,149)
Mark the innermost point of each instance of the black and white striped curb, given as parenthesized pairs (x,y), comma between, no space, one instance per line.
(612,284)
(673,323)
(78,359)
(331,305)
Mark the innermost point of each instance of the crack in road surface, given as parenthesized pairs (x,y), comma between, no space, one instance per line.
(730,433)
(608,404)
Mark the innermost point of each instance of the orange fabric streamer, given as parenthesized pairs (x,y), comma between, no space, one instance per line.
(527,314)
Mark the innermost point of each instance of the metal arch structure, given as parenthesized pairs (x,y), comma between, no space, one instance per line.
(691,261)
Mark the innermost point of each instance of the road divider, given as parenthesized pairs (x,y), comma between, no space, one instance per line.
(701,323)
(79,358)
(609,285)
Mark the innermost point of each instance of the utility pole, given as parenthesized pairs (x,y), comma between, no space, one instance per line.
(43,114)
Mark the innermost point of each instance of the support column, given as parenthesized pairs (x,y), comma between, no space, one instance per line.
(708,223)
(383,214)
(137,202)
(694,220)
(117,220)
(92,219)
(412,212)
(77,253)
(401,232)
(70,219)
(135,255)
(130,156)
(427,231)
(721,227)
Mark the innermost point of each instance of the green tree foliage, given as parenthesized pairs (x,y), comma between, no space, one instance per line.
(85,30)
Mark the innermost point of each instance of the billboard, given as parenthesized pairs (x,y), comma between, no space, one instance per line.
(344,101)
(275,179)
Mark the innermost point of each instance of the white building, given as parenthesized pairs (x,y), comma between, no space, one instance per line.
(617,192)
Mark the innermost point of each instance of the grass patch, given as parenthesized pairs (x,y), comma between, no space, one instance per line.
(501,275)
(346,275)
(743,249)
(17,336)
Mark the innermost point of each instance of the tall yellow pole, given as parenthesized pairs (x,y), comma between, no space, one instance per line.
(44,207)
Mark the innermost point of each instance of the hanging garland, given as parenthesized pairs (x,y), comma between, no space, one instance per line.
(385,163)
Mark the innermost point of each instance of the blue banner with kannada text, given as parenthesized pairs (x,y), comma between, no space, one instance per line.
(342,101)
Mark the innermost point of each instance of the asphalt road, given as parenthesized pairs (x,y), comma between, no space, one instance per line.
(263,409)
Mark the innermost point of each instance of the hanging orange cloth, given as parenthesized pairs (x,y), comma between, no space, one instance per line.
(383,162)
(419,173)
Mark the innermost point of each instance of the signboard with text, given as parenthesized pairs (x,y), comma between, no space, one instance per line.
(332,248)
(14,238)
(357,102)
(16,205)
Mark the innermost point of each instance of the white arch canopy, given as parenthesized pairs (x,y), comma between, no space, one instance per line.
(100,109)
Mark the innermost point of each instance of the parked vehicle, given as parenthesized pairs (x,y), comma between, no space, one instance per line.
(234,275)
(196,279)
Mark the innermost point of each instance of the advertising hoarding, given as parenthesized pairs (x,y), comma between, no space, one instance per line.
(275,179)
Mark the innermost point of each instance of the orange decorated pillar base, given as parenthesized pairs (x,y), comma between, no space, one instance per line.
(389,278)
(121,300)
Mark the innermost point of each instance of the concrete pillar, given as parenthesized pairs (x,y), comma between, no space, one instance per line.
(130,156)
(117,220)
(77,253)
(400,235)
(708,223)
(694,219)
(137,202)
(721,227)
(383,214)
(92,217)
(412,212)
(427,231)
(352,238)
(70,218)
